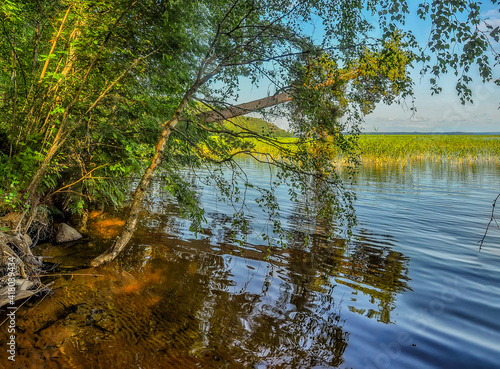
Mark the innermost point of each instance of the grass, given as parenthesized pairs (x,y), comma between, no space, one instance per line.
(455,149)
(260,146)
(397,149)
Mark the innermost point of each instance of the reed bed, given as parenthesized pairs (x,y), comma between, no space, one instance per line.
(452,149)
(407,149)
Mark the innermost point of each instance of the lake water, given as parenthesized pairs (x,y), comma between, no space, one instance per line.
(410,290)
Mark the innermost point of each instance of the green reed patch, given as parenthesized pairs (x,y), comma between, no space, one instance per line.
(447,148)
(381,148)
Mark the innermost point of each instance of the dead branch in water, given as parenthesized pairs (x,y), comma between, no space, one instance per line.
(492,218)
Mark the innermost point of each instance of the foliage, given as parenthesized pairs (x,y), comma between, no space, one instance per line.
(70,113)
(462,39)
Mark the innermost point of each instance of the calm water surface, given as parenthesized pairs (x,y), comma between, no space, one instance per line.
(410,290)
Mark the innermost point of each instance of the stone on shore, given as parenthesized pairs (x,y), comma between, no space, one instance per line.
(67,234)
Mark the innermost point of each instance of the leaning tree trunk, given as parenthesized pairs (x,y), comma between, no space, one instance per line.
(133,216)
(140,192)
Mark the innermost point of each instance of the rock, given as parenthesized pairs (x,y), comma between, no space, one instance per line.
(67,234)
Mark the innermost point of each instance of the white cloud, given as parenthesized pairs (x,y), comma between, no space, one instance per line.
(492,18)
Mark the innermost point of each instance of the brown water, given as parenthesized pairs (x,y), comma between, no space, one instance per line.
(410,291)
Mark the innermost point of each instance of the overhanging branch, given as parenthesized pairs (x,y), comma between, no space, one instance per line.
(245,108)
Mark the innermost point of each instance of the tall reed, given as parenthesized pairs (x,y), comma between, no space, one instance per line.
(453,149)
(402,149)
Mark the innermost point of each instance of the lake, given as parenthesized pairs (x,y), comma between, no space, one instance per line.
(409,290)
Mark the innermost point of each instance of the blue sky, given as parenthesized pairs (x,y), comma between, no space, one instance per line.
(437,113)
(440,113)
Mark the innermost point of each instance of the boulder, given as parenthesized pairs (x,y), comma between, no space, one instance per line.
(66,233)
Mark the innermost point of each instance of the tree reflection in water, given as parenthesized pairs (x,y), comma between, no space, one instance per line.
(174,301)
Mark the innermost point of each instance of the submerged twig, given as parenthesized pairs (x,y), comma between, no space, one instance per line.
(492,218)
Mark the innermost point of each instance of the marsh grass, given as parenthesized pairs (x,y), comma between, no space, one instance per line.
(407,149)
(451,149)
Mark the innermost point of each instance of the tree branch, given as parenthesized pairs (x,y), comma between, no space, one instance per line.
(245,108)
(81,179)
(492,218)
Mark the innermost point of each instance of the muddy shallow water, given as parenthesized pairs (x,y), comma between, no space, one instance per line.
(410,290)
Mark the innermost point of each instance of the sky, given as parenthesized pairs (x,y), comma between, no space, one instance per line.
(440,113)
(435,113)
